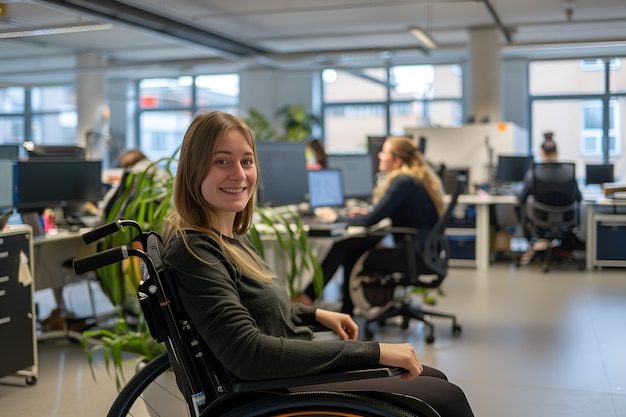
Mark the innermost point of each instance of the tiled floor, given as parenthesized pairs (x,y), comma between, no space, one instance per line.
(533,344)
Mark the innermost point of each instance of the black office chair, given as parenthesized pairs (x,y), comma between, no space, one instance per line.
(383,269)
(208,389)
(552,211)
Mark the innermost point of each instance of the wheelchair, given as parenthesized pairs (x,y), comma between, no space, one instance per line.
(204,386)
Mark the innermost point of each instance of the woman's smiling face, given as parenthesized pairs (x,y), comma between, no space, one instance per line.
(232,177)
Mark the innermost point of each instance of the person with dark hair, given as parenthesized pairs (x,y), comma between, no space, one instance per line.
(548,153)
(315,155)
(240,309)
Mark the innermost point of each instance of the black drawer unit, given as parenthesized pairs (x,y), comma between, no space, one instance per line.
(18,351)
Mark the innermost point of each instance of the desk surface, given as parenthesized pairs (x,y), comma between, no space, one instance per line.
(480,199)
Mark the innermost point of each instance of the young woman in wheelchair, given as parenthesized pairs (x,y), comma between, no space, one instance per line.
(409,193)
(233,297)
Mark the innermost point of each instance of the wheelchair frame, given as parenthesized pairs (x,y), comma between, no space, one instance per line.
(207,387)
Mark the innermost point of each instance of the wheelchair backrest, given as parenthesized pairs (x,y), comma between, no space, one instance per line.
(200,377)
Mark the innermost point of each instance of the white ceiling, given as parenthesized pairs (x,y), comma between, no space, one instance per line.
(224,35)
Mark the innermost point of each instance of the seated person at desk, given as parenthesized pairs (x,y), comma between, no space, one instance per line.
(410,195)
(548,154)
(233,297)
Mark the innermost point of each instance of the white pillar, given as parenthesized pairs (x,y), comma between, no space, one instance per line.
(93,112)
(484,67)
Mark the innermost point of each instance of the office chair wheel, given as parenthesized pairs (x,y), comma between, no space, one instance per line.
(430,339)
(456,330)
(322,404)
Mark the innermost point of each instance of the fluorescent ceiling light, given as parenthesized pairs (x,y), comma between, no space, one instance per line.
(54,30)
(423,37)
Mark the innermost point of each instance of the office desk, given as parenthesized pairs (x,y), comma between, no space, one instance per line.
(482,229)
(50,252)
(610,213)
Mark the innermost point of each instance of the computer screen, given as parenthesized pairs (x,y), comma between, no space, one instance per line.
(11,152)
(6,184)
(513,168)
(450,177)
(422,145)
(374,145)
(358,174)
(599,173)
(49,183)
(325,188)
(282,173)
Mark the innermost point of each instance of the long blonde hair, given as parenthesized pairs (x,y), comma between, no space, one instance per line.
(413,165)
(192,211)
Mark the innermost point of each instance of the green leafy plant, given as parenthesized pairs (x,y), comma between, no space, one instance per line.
(298,123)
(146,198)
(285,227)
(259,125)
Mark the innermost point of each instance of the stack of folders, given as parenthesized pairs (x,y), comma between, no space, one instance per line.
(614,189)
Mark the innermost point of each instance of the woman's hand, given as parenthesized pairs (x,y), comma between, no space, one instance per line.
(326,214)
(340,323)
(358,211)
(401,355)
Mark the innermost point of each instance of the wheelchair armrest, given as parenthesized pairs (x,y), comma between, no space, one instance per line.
(238,385)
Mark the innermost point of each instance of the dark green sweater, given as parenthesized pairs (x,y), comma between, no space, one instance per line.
(251,327)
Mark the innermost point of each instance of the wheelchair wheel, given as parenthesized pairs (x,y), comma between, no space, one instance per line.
(150,389)
(325,404)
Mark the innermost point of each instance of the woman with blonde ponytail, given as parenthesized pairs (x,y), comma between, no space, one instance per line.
(410,194)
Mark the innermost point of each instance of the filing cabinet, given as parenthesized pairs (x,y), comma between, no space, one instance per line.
(18,346)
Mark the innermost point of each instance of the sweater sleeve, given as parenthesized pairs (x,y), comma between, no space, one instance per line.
(209,292)
(390,201)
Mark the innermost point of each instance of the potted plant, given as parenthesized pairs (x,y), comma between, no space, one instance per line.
(298,123)
(259,125)
(146,198)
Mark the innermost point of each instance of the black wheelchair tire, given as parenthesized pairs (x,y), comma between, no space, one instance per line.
(135,387)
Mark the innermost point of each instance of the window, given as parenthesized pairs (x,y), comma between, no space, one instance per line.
(54,117)
(12,109)
(592,128)
(378,101)
(166,106)
(569,97)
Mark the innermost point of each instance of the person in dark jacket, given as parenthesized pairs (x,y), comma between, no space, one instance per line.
(410,194)
(238,306)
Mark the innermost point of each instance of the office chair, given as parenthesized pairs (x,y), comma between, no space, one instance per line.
(207,387)
(383,269)
(552,211)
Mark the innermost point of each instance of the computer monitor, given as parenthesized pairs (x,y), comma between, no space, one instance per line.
(375,145)
(599,173)
(325,188)
(450,177)
(7,169)
(57,184)
(282,173)
(10,152)
(513,168)
(357,172)
(422,145)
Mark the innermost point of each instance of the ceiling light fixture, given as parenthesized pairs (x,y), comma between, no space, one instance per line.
(54,30)
(423,37)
